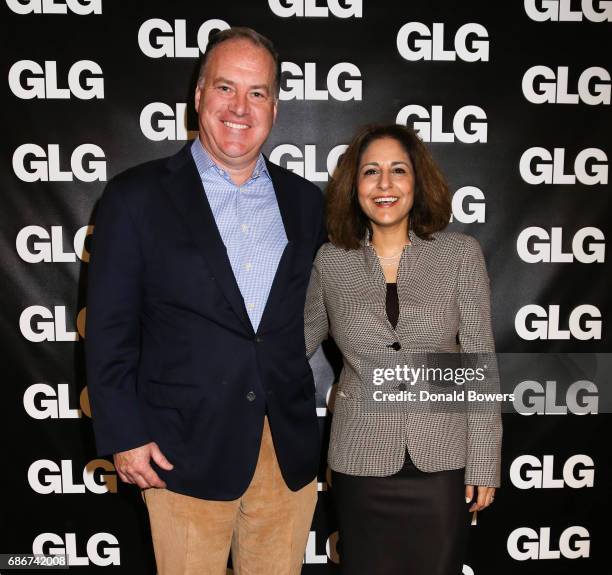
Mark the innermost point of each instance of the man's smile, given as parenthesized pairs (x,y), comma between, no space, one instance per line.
(235,126)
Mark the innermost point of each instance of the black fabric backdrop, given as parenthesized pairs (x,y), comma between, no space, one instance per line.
(48,505)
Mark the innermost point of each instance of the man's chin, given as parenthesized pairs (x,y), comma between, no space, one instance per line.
(235,152)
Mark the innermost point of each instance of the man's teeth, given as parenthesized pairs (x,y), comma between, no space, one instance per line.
(386,201)
(236,126)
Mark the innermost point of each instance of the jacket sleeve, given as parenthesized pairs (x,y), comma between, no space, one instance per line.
(316,324)
(112,343)
(476,339)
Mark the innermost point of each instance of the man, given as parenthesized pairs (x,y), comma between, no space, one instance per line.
(196,362)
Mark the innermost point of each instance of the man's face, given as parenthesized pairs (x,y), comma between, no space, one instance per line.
(236,103)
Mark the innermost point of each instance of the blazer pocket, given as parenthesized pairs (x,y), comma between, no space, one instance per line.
(172,394)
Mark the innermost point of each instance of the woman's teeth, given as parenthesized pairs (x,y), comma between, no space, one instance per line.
(385,201)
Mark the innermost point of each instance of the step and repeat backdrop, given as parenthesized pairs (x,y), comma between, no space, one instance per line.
(514,100)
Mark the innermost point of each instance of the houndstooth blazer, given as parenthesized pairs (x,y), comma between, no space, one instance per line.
(443,290)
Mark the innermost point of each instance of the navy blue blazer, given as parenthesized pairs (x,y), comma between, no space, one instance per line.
(171,354)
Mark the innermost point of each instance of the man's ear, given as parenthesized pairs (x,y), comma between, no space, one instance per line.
(198,94)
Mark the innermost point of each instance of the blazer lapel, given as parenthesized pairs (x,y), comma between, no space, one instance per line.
(184,188)
(288,209)
(289,214)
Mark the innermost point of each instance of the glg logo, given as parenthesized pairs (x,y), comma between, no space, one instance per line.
(469,123)
(38,323)
(331,550)
(45,477)
(535,322)
(35,244)
(81,7)
(304,163)
(543,85)
(468,205)
(550,246)
(53,544)
(309,8)
(529,472)
(416,41)
(32,163)
(301,84)
(42,401)
(535,398)
(561,10)
(28,80)
(158,38)
(539,166)
(159,121)
(525,543)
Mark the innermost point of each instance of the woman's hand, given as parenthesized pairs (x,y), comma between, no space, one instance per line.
(484,498)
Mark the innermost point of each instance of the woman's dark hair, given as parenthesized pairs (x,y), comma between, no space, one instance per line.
(347,225)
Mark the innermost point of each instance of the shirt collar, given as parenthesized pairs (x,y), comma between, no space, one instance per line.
(204,162)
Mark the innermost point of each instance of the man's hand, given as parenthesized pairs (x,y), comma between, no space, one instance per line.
(133,466)
(483,499)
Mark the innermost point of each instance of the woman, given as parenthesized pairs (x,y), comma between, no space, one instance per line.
(391,280)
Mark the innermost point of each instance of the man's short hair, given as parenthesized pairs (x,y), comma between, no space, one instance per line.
(242,33)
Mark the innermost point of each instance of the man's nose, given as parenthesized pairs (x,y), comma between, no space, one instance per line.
(239,104)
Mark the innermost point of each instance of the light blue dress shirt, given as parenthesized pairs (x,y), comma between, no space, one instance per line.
(250,224)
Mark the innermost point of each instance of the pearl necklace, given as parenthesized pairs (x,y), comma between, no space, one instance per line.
(390,257)
(387,261)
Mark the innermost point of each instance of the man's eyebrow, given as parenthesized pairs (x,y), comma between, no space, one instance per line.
(222,80)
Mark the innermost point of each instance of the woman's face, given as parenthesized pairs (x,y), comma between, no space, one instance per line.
(385,184)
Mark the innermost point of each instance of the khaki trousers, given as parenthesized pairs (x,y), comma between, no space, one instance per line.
(267,528)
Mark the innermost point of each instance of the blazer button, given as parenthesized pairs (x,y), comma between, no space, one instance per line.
(396,345)
(251,396)
(257,339)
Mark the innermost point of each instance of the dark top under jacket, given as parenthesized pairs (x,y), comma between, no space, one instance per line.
(392,304)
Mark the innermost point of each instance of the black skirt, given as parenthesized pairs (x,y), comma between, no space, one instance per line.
(410,523)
